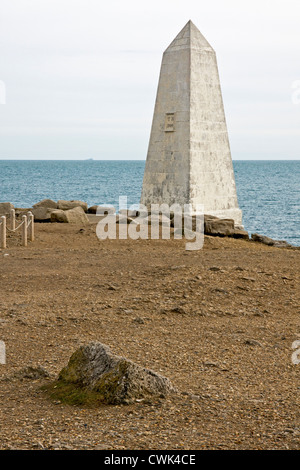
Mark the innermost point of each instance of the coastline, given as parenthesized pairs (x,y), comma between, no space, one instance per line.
(267,190)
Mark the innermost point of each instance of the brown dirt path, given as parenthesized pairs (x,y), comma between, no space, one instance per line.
(219,323)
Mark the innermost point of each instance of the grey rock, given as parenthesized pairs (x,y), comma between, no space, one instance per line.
(269,241)
(49,203)
(218,227)
(239,233)
(139,320)
(116,379)
(71,216)
(58,215)
(101,210)
(42,214)
(253,342)
(76,215)
(31,372)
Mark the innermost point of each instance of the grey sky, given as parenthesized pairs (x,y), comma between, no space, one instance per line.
(81,75)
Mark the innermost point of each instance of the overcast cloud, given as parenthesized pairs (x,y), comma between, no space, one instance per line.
(81,75)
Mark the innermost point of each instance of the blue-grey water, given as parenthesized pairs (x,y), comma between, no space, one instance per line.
(268,191)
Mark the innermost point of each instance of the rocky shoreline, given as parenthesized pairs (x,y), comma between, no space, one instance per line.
(78,212)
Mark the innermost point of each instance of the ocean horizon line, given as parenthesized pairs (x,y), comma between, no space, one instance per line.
(127,160)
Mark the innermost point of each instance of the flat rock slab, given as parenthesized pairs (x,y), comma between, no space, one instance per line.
(269,241)
(114,379)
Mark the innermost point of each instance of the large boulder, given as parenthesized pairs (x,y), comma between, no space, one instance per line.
(114,379)
(67,205)
(5,208)
(71,216)
(218,227)
(42,210)
(240,233)
(58,215)
(42,214)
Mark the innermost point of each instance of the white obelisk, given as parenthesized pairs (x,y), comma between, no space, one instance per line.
(189,159)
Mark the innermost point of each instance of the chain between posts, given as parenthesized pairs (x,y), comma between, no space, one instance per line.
(27,226)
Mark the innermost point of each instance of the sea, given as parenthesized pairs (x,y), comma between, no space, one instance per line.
(268,191)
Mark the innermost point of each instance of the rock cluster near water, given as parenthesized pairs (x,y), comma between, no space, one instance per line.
(61,211)
(78,212)
(214,226)
(110,378)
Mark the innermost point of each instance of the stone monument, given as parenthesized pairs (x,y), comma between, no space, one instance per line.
(189,159)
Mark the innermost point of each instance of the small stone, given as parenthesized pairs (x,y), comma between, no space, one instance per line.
(138,320)
(101,210)
(32,372)
(253,342)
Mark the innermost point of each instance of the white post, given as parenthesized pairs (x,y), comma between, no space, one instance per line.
(12,219)
(24,230)
(3,232)
(30,226)
(2,353)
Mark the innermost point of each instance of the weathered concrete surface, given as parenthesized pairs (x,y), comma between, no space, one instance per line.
(189,159)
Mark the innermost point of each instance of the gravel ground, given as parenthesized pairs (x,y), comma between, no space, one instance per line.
(219,323)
